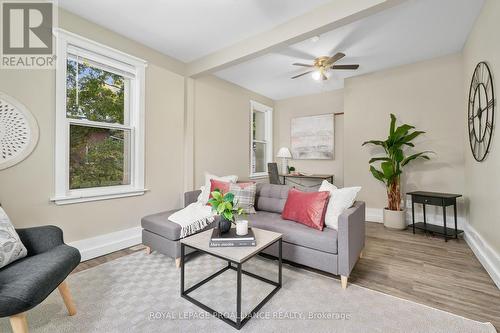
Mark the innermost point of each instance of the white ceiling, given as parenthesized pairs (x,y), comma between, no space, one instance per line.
(413,31)
(189,29)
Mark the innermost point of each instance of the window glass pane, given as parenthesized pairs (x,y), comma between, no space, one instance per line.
(259,157)
(95,94)
(259,126)
(98,157)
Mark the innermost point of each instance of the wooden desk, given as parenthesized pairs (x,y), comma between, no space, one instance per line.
(435,199)
(312,176)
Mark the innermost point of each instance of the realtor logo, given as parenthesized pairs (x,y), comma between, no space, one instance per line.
(27,40)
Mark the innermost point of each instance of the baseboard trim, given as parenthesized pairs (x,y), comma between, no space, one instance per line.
(374,215)
(484,253)
(103,244)
(433,217)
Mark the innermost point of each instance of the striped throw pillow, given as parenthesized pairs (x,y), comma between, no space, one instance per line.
(244,196)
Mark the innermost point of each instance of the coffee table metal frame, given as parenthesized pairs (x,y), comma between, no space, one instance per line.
(236,266)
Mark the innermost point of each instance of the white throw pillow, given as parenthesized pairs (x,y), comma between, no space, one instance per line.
(340,200)
(11,247)
(205,190)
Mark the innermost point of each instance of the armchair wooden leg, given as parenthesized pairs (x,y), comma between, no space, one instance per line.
(66,296)
(19,323)
(148,250)
(178,262)
(343,281)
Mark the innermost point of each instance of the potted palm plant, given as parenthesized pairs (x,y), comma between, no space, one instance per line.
(391,166)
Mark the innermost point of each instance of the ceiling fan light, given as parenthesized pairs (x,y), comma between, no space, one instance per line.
(316,75)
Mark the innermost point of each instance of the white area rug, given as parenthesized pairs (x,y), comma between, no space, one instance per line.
(141,293)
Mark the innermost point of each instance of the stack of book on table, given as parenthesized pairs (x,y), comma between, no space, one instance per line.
(231,239)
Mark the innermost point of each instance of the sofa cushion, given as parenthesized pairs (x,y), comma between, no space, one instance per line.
(271,198)
(340,200)
(244,196)
(28,281)
(296,233)
(220,185)
(307,208)
(160,225)
(11,247)
(205,190)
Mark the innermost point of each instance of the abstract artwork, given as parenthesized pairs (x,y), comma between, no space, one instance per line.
(312,137)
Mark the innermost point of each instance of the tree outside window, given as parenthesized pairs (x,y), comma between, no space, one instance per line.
(98,152)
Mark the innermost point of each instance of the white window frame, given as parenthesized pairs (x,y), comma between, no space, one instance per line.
(259,107)
(136,67)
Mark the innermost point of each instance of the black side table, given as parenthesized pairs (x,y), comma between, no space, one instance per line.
(435,199)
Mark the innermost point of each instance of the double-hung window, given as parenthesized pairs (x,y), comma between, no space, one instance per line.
(261,138)
(99,122)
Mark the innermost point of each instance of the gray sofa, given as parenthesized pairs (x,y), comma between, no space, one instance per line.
(332,251)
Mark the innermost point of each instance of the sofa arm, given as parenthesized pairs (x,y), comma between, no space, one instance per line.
(40,239)
(190,197)
(351,237)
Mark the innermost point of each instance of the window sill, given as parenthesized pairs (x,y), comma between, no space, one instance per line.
(81,196)
(259,175)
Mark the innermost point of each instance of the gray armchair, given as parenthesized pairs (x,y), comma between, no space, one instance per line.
(27,282)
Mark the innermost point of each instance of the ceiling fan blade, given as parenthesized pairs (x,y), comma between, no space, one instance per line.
(344,67)
(303,65)
(296,76)
(335,58)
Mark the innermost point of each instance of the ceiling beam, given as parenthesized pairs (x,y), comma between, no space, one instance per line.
(320,20)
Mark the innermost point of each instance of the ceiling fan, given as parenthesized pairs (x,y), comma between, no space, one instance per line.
(322,65)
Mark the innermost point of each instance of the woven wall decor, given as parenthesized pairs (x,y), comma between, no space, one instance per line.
(18,132)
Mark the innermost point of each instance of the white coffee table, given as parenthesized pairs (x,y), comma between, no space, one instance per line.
(235,257)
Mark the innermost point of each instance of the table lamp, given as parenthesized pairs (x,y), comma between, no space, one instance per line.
(284,154)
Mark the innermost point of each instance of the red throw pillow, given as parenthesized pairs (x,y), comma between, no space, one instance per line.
(220,185)
(307,208)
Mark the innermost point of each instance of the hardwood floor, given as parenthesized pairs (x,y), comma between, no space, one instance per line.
(112,256)
(427,270)
(420,268)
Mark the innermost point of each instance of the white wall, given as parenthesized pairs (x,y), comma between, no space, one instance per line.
(427,95)
(222,128)
(309,105)
(482,179)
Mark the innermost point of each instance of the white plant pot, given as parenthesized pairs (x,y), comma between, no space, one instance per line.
(394,219)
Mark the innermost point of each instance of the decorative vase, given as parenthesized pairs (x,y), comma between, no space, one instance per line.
(224,225)
(394,219)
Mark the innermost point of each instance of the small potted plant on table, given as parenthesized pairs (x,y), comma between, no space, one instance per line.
(225,207)
(391,168)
